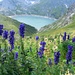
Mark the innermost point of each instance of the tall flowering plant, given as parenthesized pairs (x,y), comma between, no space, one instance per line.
(73,39)
(64,37)
(5,34)
(22,30)
(1,30)
(56,57)
(25,65)
(37,38)
(22,33)
(41,49)
(11,39)
(5,37)
(69,54)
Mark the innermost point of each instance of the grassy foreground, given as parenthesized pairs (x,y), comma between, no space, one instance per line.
(36,55)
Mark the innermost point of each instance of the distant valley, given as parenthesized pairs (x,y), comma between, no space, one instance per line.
(33,20)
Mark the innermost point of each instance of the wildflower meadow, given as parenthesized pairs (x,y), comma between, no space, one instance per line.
(36,55)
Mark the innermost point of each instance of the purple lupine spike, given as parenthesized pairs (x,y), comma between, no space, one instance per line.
(16,56)
(42,43)
(64,33)
(22,30)
(37,37)
(69,54)
(64,37)
(70,48)
(56,57)
(11,39)
(40,53)
(73,39)
(1,30)
(41,49)
(5,34)
(1,26)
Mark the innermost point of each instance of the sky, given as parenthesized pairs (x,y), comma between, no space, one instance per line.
(1,0)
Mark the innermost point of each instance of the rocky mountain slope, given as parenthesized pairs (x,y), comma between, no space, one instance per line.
(65,23)
(50,8)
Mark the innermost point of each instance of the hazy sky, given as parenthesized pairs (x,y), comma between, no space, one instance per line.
(1,0)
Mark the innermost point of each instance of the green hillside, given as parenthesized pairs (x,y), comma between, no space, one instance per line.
(57,28)
(14,25)
(65,24)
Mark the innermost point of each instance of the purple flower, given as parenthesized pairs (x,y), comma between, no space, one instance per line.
(49,62)
(64,37)
(41,49)
(64,33)
(69,54)
(73,39)
(70,48)
(42,43)
(56,57)
(12,39)
(40,53)
(1,29)
(16,55)
(22,30)
(1,26)
(5,34)
(37,37)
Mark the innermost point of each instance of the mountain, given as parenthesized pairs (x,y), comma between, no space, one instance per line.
(14,25)
(50,8)
(64,24)
(12,7)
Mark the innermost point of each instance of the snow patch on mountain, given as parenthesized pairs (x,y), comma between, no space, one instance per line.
(66,5)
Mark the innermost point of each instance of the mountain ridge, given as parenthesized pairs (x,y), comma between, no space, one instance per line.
(48,8)
(65,23)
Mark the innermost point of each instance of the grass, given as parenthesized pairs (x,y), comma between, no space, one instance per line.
(39,66)
(28,63)
(70,28)
(14,25)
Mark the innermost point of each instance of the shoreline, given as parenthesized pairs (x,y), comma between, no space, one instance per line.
(33,15)
(45,17)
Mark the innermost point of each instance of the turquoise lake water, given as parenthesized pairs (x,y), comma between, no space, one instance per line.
(35,21)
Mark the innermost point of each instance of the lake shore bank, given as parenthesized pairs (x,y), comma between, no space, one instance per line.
(36,21)
(33,15)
